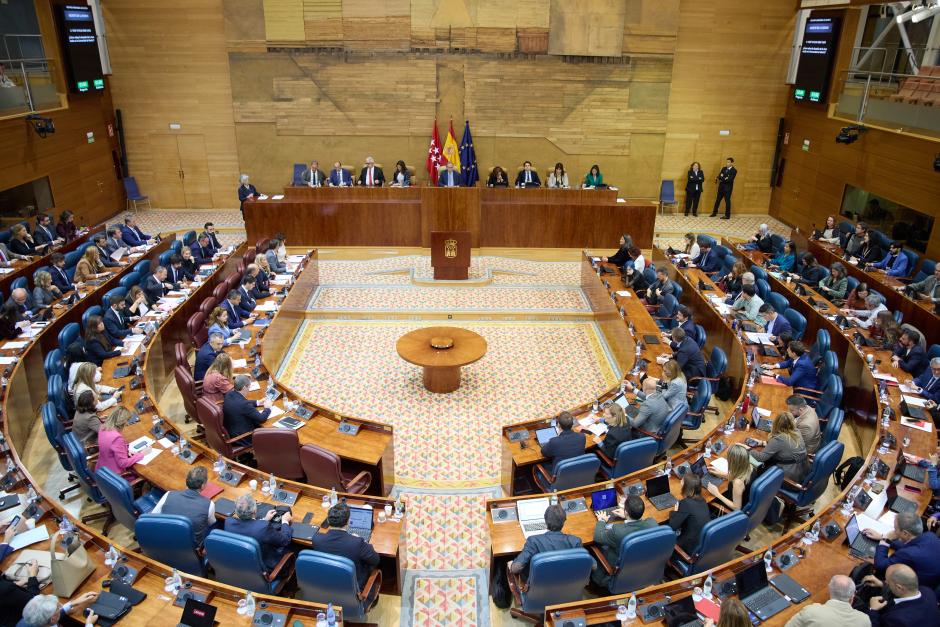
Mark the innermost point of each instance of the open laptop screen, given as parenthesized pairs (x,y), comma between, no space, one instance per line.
(657,485)
(602,499)
(751,579)
(360,517)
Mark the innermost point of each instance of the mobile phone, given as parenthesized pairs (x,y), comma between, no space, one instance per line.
(15,521)
(914,489)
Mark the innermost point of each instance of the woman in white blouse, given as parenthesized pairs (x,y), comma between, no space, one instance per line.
(558,177)
(88,377)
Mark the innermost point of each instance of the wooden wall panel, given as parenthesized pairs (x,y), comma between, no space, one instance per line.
(589,27)
(173,70)
(284,20)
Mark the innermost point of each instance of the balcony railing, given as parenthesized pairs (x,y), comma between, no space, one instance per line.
(28,85)
(909,103)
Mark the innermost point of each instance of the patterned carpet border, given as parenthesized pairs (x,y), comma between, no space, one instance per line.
(432,618)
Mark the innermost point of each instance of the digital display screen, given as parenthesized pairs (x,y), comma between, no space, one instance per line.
(80,48)
(818,53)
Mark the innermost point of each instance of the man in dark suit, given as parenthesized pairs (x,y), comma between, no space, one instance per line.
(44,234)
(660,287)
(114,240)
(684,321)
(314,176)
(449,177)
(909,545)
(116,324)
(202,250)
(237,317)
(245,289)
(567,444)
(608,535)
(273,538)
(687,353)
(906,601)
(207,354)
(774,322)
(132,235)
(528,177)
(338,541)
(725,187)
(707,259)
(21,299)
(155,286)
(209,231)
(802,371)
(552,540)
(259,291)
(339,177)
(174,272)
(240,415)
(101,244)
(371,175)
(59,277)
(909,355)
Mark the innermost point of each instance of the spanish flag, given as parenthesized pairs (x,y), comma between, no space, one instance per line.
(452,149)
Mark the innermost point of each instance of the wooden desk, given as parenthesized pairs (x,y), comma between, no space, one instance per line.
(441,352)
(544,218)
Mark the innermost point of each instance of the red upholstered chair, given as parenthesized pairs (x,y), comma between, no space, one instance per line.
(196,327)
(189,390)
(323,469)
(232,281)
(262,244)
(249,256)
(278,451)
(210,416)
(220,291)
(207,305)
(182,354)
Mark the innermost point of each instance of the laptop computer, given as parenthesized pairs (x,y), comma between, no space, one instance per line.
(603,501)
(756,594)
(360,521)
(700,468)
(860,545)
(197,614)
(545,434)
(531,514)
(657,491)
(914,411)
(908,470)
(681,613)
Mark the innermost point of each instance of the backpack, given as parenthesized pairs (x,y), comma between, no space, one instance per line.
(499,587)
(847,471)
(723,390)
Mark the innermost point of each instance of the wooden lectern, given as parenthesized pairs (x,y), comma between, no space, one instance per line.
(450,254)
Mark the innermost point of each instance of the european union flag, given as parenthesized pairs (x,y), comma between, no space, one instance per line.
(468,158)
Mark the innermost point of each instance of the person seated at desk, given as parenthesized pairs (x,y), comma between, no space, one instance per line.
(44,292)
(802,371)
(98,344)
(11,321)
(807,422)
(43,610)
(909,355)
(812,273)
(89,267)
(869,252)
(673,385)
(112,447)
(692,249)
(114,241)
(100,241)
(637,260)
(21,242)
(218,380)
(747,305)
(567,444)
(622,255)
(738,492)
(551,540)
(246,192)
(856,297)
(277,266)
(209,229)
(7,256)
(708,261)
(248,302)
(260,290)
(886,332)
(558,177)
(784,448)
(634,280)
(594,178)
(684,321)
(908,544)
(274,539)
(730,283)
(338,541)
(687,353)
(401,177)
(208,353)
(853,243)
(339,176)
(202,250)
(264,272)
(732,613)
(238,316)
(371,174)
(838,610)
(156,286)
(785,260)
(653,410)
(618,430)
(930,287)
(528,177)
(836,284)
(59,276)
(135,303)
(174,270)
(774,323)
(217,322)
(928,383)
(44,234)
(190,504)
(22,300)
(690,514)
(829,233)
(131,234)
(449,177)
(313,176)
(239,414)
(910,602)
(66,229)
(497,178)
(608,534)
(866,317)
(188,264)
(761,240)
(14,595)
(894,263)
(85,422)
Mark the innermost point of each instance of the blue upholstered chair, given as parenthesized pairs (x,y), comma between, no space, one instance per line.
(169,539)
(797,321)
(777,242)
(554,577)
(71,259)
(236,560)
(124,507)
(68,334)
(761,496)
(926,269)
(55,431)
(778,302)
(763,288)
(94,310)
(700,398)
(117,291)
(827,398)
(55,394)
(142,267)
(668,434)
(325,578)
(665,316)
(667,195)
(758,272)
(828,366)
(800,496)
(933,351)
(833,426)
(19,282)
(715,368)
(570,473)
(821,347)
(53,363)
(641,561)
(132,191)
(297,178)
(700,336)
(129,280)
(190,238)
(716,545)
(79,463)
(630,456)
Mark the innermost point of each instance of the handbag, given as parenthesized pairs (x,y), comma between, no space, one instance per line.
(18,570)
(69,572)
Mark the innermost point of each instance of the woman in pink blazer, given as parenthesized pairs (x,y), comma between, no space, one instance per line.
(112,447)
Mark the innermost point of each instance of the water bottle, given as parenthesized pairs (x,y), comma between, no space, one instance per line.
(219,465)
(399,506)
(631,607)
(886,418)
(708,449)
(272,483)
(31,496)
(667,469)
(769,561)
(639,350)
(623,387)
(729,426)
(10,465)
(707,587)
(111,557)
(596,408)
(330,615)
(815,531)
(334,499)
(249,604)
(257,361)
(177,580)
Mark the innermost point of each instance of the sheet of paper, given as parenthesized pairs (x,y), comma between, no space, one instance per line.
(720,464)
(7,270)
(867,522)
(296,258)
(598,428)
(878,502)
(268,305)
(130,348)
(913,400)
(14,345)
(887,519)
(27,538)
(149,458)
(6,361)
(277,197)
(239,363)
(884,376)
(908,389)
(254,385)
(140,443)
(624,293)
(763,412)
(760,338)
(165,442)
(922,425)
(276,411)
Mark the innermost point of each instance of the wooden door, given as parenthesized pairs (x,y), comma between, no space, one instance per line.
(167,173)
(193,163)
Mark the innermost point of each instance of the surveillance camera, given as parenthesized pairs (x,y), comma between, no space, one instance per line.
(42,126)
(849,134)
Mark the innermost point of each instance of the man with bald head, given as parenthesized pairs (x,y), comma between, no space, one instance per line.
(910,545)
(837,610)
(904,601)
(21,299)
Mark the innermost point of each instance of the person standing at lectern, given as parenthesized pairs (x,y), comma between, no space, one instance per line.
(314,176)
(449,177)
(527,176)
(371,175)
(246,191)
(693,188)
(339,177)
(725,187)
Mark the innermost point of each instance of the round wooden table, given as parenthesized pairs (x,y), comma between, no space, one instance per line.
(456,348)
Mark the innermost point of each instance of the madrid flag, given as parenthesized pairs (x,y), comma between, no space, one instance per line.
(435,158)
